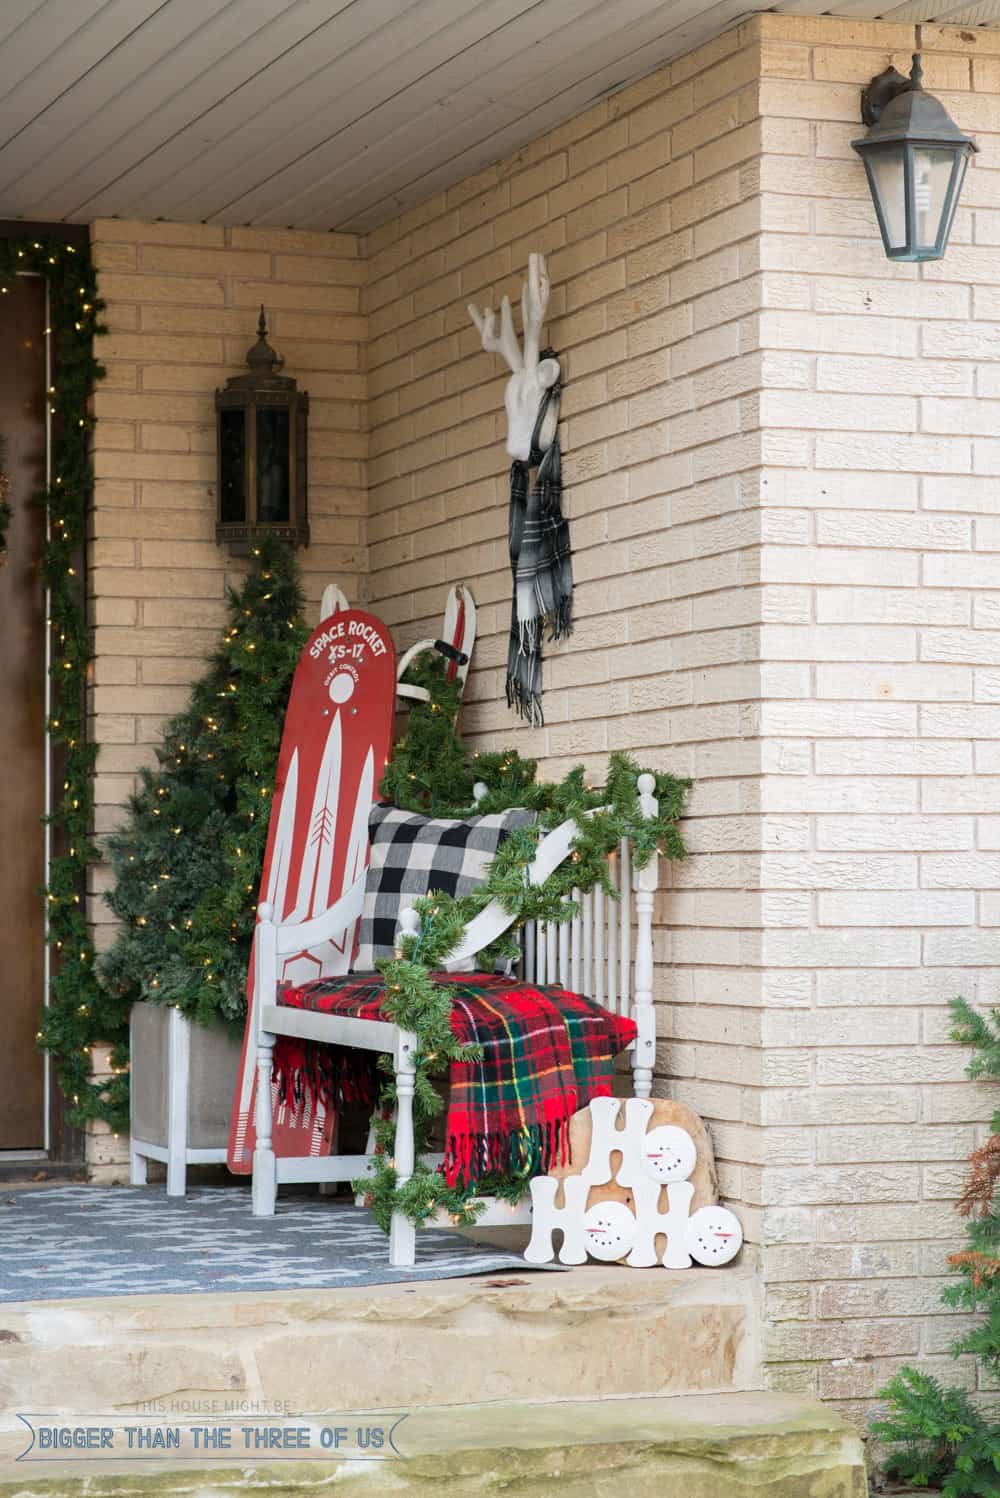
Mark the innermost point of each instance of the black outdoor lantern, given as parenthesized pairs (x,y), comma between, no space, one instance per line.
(262,420)
(916,158)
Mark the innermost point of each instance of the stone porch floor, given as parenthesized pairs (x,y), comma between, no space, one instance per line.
(565,1385)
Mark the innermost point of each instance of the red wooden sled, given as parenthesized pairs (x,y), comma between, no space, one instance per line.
(458,635)
(336,742)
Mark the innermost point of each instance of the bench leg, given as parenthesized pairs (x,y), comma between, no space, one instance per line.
(265,1184)
(402,1234)
(137,1168)
(644,1051)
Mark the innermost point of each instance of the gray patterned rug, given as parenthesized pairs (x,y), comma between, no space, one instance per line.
(64,1242)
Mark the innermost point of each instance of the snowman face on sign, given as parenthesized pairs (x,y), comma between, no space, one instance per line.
(713,1236)
(609,1231)
(669,1153)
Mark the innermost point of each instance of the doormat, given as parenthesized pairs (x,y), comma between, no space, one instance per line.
(66,1242)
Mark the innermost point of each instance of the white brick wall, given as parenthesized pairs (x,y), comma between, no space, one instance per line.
(779,461)
(645,207)
(890,760)
(182,303)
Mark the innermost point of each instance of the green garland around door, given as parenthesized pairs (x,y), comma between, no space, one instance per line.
(79,1013)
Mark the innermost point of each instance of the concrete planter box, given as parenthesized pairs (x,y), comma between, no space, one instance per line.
(183,1078)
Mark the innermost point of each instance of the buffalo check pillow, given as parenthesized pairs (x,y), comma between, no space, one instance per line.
(413,855)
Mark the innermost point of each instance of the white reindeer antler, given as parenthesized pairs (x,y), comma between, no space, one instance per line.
(506,344)
(534,300)
(530,374)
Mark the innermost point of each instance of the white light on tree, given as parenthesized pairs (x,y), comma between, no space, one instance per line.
(916,158)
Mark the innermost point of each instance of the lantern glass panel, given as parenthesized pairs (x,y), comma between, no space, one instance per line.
(932,171)
(232,465)
(885,168)
(273,469)
(954,192)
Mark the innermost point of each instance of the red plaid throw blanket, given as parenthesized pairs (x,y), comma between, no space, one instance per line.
(545,1053)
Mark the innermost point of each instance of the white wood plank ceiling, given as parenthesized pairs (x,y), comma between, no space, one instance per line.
(320,114)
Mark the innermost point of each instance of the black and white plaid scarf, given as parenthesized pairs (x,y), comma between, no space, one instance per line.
(540,564)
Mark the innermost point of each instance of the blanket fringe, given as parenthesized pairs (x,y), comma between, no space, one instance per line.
(310,1073)
(529,1151)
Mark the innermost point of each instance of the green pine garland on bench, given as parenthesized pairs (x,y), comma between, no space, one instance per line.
(431,773)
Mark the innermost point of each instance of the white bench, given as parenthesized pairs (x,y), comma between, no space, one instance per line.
(604,952)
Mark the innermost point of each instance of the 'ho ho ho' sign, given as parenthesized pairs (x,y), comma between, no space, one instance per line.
(653,1162)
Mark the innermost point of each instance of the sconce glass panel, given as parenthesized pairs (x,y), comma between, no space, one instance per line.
(886,180)
(274,467)
(232,465)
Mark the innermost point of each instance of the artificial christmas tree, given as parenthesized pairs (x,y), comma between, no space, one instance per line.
(188,860)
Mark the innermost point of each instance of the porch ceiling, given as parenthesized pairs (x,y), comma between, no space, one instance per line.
(321,114)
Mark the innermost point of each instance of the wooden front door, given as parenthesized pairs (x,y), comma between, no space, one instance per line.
(22,719)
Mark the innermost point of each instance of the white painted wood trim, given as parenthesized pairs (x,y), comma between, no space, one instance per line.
(178,1087)
(644,881)
(265,1181)
(160,1152)
(147,1151)
(306,1168)
(492,922)
(333,923)
(334,1029)
(402,1232)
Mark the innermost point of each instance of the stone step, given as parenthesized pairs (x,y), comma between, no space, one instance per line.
(593,1332)
(748,1445)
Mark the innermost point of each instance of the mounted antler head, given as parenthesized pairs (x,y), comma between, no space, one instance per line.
(530,375)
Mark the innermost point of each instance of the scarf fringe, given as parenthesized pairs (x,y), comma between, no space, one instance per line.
(560,621)
(525,702)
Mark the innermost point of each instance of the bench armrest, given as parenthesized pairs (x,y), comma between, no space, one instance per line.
(272,941)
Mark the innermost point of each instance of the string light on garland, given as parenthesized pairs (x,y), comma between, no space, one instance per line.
(79,1013)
